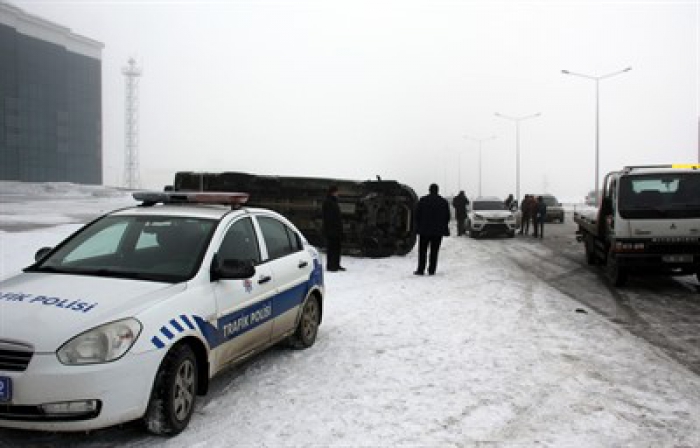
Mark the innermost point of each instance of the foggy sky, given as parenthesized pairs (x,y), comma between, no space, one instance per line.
(355,89)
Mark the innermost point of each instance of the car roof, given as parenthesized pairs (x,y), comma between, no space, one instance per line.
(488,199)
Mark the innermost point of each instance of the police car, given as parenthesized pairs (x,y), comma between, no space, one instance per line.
(488,215)
(131,316)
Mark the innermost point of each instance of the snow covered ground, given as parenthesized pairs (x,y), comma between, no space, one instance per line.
(483,353)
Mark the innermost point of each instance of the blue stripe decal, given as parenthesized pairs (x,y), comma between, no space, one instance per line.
(316,277)
(208,331)
(186,321)
(246,319)
(290,298)
(167,333)
(157,342)
(177,325)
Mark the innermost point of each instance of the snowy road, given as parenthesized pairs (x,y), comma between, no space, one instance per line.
(515,342)
(662,310)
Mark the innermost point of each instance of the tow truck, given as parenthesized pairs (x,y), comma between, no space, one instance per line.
(647,221)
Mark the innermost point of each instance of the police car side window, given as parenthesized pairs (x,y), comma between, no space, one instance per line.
(276,237)
(240,242)
(294,239)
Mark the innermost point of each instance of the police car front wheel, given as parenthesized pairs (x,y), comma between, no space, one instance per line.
(174,391)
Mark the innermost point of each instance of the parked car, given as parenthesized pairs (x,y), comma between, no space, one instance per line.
(130,317)
(591,199)
(488,215)
(555,212)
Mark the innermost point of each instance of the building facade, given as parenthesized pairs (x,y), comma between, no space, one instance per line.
(50,101)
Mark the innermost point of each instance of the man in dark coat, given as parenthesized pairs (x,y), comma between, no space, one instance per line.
(332,229)
(432,220)
(540,216)
(509,202)
(526,208)
(460,203)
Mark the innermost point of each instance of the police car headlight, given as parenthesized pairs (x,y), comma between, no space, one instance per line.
(105,343)
(510,218)
(478,217)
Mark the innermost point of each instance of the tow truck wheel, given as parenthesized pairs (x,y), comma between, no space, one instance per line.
(591,259)
(616,274)
(174,391)
(307,328)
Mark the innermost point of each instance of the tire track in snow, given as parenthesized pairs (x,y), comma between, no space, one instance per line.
(625,314)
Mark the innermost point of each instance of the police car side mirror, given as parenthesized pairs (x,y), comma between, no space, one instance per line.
(224,269)
(41,253)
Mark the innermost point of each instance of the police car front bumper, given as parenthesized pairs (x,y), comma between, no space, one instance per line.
(49,396)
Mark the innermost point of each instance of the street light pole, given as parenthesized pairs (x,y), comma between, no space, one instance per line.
(597,80)
(517,121)
(480,141)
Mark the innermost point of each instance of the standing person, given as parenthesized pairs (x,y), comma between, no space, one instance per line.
(460,203)
(525,214)
(332,229)
(533,211)
(509,202)
(432,219)
(540,215)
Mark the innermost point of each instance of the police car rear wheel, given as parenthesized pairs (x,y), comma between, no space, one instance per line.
(307,329)
(174,392)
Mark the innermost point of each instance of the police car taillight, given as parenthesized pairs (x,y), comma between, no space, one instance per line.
(149,198)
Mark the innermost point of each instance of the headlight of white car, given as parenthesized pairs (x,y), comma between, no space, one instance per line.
(510,218)
(478,217)
(105,343)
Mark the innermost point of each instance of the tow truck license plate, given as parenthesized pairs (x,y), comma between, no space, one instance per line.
(5,389)
(684,258)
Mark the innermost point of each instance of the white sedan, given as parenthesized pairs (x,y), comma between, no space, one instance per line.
(130,317)
(489,216)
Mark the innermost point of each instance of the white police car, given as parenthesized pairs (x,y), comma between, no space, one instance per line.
(489,215)
(130,317)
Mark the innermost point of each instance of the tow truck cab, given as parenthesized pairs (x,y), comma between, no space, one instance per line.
(648,221)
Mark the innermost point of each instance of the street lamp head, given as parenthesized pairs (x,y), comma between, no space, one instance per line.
(566,72)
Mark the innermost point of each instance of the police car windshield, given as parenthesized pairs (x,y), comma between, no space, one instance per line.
(158,248)
(489,205)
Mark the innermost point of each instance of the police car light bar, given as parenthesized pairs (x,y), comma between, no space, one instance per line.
(150,198)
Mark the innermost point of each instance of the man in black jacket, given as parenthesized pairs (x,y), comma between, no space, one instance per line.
(332,229)
(460,203)
(432,219)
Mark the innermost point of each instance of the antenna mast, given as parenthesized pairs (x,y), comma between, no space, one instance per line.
(131,126)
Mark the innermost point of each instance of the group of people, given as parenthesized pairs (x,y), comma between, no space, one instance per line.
(533,210)
(432,224)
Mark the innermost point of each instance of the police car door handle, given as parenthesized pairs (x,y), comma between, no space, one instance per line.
(303,264)
(264,279)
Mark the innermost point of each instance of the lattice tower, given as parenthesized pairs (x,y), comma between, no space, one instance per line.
(131,125)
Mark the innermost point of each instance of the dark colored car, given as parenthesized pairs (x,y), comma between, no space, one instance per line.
(555,212)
